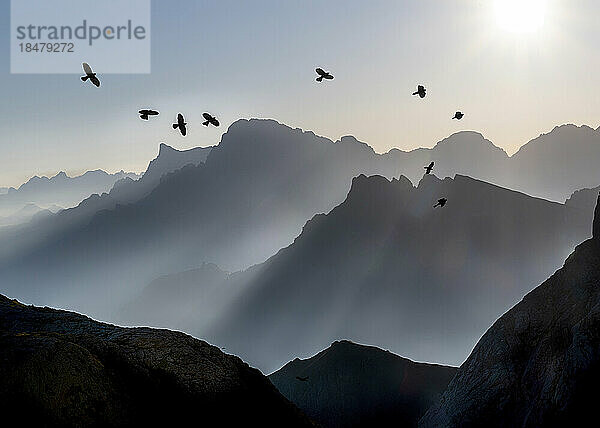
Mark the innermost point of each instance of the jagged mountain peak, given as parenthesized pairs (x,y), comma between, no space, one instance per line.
(165,148)
(352,141)
(368,189)
(562,136)
(256,132)
(468,140)
(60,175)
(170,159)
(374,180)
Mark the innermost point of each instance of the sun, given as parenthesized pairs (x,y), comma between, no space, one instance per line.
(520,16)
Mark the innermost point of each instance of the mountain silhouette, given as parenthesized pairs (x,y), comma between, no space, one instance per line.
(558,163)
(170,159)
(124,191)
(28,212)
(251,197)
(60,190)
(539,364)
(353,385)
(385,257)
(62,369)
(551,166)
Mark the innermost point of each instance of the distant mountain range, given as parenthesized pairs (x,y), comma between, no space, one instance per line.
(350,385)
(256,190)
(124,191)
(62,369)
(552,166)
(539,364)
(60,190)
(27,213)
(251,197)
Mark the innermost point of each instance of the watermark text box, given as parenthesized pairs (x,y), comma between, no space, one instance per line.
(57,36)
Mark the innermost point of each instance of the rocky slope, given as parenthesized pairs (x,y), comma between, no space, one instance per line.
(61,369)
(351,385)
(539,364)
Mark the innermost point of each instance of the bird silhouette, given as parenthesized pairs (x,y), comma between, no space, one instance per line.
(323,75)
(458,115)
(180,124)
(145,113)
(421,91)
(302,379)
(428,168)
(441,202)
(89,74)
(210,120)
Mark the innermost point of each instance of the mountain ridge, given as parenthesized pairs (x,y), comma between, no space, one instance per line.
(96,374)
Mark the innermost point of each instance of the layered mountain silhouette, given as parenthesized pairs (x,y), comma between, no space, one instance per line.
(250,197)
(124,191)
(60,190)
(539,364)
(62,369)
(351,385)
(27,213)
(384,267)
(551,166)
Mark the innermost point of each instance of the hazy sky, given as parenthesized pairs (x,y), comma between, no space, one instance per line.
(257,59)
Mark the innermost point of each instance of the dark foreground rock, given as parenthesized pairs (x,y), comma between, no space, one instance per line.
(539,364)
(351,385)
(63,369)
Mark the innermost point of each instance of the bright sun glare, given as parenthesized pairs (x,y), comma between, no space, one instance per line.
(520,16)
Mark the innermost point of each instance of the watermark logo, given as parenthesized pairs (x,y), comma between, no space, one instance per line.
(57,36)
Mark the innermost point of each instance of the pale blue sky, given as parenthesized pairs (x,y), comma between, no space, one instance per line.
(257,59)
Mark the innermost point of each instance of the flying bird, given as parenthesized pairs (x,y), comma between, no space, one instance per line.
(428,168)
(421,91)
(89,74)
(441,202)
(145,113)
(180,124)
(458,115)
(302,379)
(210,120)
(323,75)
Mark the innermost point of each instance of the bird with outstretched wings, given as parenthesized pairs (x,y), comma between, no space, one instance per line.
(323,75)
(180,124)
(441,202)
(145,113)
(89,74)
(210,120)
